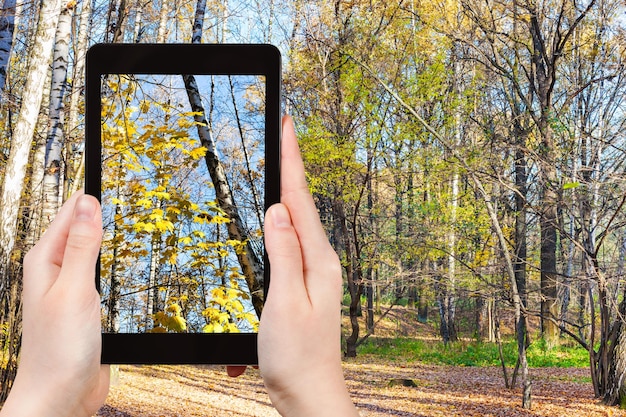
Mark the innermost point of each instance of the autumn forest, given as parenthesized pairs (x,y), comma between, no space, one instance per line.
(467,158)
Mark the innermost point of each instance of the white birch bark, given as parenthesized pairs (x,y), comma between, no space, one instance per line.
(162,32)
(13,183)
(75,136)
(251,267)
(137,29)
(54,144)
(7,26)
(250,264)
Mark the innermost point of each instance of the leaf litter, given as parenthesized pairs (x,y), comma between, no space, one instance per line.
(173,391)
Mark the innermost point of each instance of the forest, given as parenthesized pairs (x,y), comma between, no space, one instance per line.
(467,159)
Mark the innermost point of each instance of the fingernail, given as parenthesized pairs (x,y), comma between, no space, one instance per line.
(85,208)
(280,216)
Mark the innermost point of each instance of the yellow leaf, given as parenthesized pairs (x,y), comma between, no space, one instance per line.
(172,258)
(157,214)
(144,202)
(158,329)
(144,106)
(139,226)
(199,233)
(220,219)
(174,308)
(232,328)
(237,306)
(164,225)
(198,152)
(178,324)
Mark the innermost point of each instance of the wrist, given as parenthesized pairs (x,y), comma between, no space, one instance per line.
(27,400)
(311,397)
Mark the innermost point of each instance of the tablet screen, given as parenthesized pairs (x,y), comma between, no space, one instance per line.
(183,153)
(182,248)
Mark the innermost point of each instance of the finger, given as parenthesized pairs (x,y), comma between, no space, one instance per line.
(317,254)
(47,254)
(235,371)
(285,256)
(83,243)
(294,191)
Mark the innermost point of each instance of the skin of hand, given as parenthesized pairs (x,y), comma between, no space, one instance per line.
(59,373)
(299,337)
(299,334)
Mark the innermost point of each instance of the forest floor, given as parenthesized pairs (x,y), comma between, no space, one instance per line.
(168,391)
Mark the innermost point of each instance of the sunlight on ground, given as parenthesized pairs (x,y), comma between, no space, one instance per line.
(441,391)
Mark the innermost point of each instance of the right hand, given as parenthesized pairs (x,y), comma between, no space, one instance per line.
(300,331)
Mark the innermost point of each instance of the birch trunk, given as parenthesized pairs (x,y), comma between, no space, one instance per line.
(251,267)
(7,26)
(13,183)
(138,29)
(54,143)
(76,135)
(162,32)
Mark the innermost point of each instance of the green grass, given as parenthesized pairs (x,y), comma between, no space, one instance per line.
(464,353)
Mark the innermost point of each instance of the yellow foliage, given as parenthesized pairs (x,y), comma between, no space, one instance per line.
(174,308)
(213,328)
(185,240)
(144,202)
(177,324)
(158,329)
(198,152)
(169,320)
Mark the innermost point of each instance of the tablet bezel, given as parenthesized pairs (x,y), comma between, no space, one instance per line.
(196,59)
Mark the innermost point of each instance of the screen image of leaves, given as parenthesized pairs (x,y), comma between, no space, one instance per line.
(167,263)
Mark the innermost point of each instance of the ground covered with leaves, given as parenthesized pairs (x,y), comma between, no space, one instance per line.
(440,391)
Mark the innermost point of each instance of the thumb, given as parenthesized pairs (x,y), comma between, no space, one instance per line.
(285,255)
(83,242)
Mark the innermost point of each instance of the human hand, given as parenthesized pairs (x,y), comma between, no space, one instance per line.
(59,373)
(300,330)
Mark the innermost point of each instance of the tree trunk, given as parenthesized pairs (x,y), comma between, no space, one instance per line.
(151,307)
(76,162)
(13,183)
(163,20)
(355,282)
(113,302)
(615,393)
(251,267)
(53,164)
(137,27)
(544,66)
(7,26)
(10,315)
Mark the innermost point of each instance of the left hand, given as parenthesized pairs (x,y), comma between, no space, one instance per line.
(59,373)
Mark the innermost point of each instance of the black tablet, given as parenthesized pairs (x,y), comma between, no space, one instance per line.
(182,150)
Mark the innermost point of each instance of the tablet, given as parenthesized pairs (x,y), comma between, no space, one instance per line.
(182,150)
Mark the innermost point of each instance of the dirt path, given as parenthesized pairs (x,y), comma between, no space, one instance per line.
(170,391)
